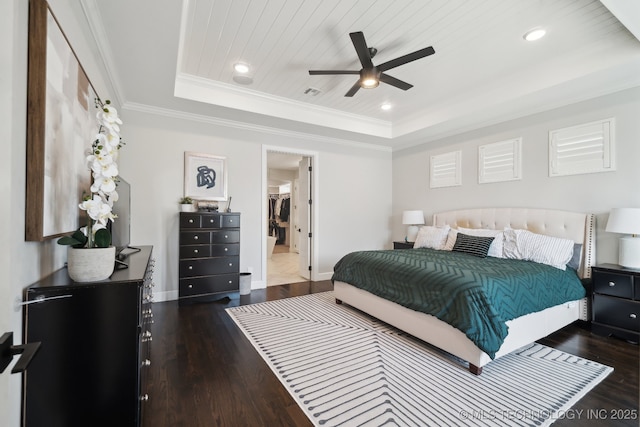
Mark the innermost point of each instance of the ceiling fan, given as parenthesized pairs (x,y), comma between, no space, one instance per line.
(371,75)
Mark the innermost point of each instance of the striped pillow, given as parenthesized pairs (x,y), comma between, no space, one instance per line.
(472,245)
(523,244)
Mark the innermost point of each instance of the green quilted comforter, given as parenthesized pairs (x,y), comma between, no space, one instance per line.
(474,295)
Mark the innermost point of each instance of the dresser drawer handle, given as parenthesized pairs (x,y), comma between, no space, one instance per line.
(191,267)
(146,362)
(191,221)
(612,284)
(230,281)
(226,236)
(144,397)
(230,220)
(195,251)
(211,220)
(226,249)
(633,316)
(230,264)
(190,286)
(195,237)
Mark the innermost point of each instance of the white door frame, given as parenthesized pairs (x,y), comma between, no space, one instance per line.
(314,205)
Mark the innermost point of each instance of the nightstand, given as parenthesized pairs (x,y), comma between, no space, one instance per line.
(616,301)
(403,245)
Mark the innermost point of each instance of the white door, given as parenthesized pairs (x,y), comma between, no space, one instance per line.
(304,218)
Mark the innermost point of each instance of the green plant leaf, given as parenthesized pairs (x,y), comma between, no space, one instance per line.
(77,239)
(103,238)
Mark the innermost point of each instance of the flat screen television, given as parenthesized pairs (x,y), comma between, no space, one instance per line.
(121,227)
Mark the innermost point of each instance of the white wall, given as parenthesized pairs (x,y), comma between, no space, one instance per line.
(595,193)
(23,263)
(354,183)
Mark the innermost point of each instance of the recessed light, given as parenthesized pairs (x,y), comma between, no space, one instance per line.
(241,68)
(386,106)
(534,34)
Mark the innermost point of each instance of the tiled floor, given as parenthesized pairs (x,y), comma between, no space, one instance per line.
(282,268)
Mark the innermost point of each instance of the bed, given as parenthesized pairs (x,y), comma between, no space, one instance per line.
(516,332)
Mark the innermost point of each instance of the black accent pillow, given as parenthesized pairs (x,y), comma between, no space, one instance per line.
(473,245)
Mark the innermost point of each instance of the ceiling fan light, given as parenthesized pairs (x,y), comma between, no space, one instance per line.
(369,82)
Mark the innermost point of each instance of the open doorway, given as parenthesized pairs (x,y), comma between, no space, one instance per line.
(288,217)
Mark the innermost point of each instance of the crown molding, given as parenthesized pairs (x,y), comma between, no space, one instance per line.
(181,115)
(204,90)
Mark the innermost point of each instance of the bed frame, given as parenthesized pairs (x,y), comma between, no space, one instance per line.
(579,227)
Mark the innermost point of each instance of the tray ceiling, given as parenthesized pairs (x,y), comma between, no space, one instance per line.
(179,58)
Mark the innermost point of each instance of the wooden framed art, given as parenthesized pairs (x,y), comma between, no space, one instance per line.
(205,176)
(61,123)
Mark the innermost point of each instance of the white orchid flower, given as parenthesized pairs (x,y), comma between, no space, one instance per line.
(103,184)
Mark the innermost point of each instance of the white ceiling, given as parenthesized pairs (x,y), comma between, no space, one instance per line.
(176,59)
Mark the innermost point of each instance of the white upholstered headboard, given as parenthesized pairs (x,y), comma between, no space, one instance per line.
(579,227)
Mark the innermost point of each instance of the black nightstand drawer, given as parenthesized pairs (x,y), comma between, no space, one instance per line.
(619,285)
(208,285)
(403,245)
(616,312)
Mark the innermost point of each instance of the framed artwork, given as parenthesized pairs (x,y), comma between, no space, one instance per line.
(205,176)
(61,123)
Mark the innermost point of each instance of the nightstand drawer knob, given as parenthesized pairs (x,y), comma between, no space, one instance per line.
(190,221)
(191,267)
(226,249)
(612,284)
(190,286)
(195,251)
(633,316)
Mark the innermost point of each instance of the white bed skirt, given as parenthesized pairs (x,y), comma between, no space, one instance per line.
(522,330)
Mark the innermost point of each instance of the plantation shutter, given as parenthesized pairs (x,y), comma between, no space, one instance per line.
(500,161)
(446,170)
(586,148)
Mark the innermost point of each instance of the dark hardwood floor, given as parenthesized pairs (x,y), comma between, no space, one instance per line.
(204,372)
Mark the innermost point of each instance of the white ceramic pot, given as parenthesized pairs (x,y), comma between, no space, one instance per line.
(187,208)
(90,265)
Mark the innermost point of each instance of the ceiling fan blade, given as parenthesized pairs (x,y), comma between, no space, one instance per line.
(361,49)
(353,89)
(406,58)
(327,72)
(395,82)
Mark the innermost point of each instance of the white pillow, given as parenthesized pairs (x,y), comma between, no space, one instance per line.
(523,244)
(495,250)
(432,237)
(451,240)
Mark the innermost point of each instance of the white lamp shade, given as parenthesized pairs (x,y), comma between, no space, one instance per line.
(624,220)
(412,217)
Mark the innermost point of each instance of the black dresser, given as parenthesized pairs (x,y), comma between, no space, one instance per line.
(95,339)
(209,255)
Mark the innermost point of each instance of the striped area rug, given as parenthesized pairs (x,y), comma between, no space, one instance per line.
(345,368)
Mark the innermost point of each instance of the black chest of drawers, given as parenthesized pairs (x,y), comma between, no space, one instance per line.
(616,301)
(209,265)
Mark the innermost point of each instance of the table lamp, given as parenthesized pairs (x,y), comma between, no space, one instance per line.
(626,221)
(413,219)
